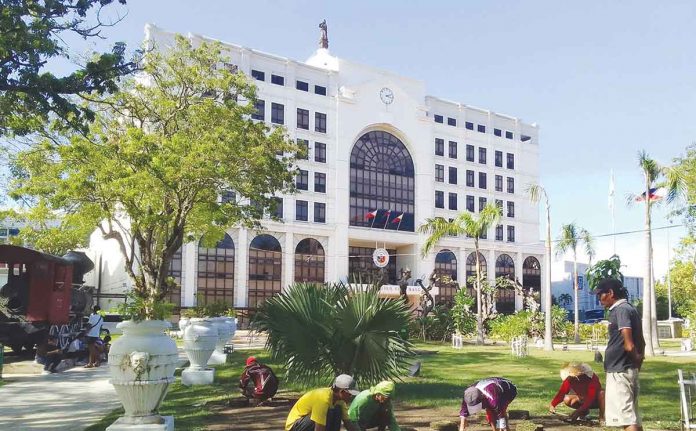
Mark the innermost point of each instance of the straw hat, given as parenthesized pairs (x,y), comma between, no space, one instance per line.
(576,369)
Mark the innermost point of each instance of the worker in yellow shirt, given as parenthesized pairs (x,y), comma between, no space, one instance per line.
(323,409)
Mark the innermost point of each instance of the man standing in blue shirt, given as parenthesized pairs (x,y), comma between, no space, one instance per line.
(623,357)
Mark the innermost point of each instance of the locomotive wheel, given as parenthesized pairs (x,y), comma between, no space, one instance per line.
(64,336)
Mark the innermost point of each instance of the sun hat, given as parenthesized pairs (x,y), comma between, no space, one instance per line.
(473,398)
(250,360)
(385,388)
(576,369)
(346,382)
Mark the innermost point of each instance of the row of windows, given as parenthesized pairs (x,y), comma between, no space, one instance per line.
(280,80)
(302,211)
(510,233)
(452,203)
(479,128)
(470,152)
(319,150)
(302,181)
(452,178)
(278,116)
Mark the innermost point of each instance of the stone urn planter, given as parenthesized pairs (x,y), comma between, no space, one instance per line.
(184,322)
(200,338)
(142,363)
(225,332)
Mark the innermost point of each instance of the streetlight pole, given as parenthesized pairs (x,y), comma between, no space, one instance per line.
(669,281)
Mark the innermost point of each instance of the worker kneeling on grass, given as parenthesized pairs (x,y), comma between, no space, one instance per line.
(323,409)
(372,408)
(494,395)
(585,384)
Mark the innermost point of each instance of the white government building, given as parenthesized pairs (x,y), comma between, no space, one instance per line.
(379,145)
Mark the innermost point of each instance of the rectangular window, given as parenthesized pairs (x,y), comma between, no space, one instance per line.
(277,113)
(510,209)
(318,89)
(439,173)
(481,128)
(510,185)
(482,155)
(499,232)
(277,80)
(320,122)
(470,203)
(511,233)
(320,152)
(498,183)
(469,126)
(499,204)
(260,113)
(453,201)
(525,138)
(439,147)
(302,86)
(469,178)
(302,119)
(469,153)
(499,159)
(510,161)
(258,75)
(452,149)
(277,207)
(482,203)
(439,199)
(508,134)
(482,180)
(319,182)
(303,154)
(484,235)
(452,175)
(302,180)
(227,197)
(498,132)
(439,119)
(319,212)
(451,122)
(301,210)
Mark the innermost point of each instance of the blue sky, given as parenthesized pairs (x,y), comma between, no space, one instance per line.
(603,79)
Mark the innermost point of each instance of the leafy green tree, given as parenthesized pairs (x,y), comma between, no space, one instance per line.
(535,193)
(671,180)
(687,166)
(607,268)
(463,318)
(570,239)
(322,331)
(465,223)
(34,33)
(151,172)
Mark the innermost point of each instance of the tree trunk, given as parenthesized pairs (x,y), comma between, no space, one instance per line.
(479,309)
(647,283)
(548,330)
(576,307)
(653,305)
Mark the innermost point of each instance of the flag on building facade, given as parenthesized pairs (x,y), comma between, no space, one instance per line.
(398,218)
(655,194)
(371,214)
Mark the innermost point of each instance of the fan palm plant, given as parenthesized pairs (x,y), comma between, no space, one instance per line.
(535,193)
(322,331)
(465,223)
(670,181)
(571,237)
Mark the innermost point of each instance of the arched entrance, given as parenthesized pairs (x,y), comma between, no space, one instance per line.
(265,269)
(505,297)
(446,266)
(309,261)
(215,281)
(471,274)
(531,277)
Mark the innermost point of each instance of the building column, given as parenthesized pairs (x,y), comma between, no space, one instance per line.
(491,271)
(189,263)
(519,299)
(288,274)
(461,267)
(241,270)
(338,247)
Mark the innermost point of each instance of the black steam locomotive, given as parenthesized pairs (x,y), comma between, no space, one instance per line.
(41,294)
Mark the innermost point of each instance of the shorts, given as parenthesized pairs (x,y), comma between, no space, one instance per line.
(621,405)
(91,340)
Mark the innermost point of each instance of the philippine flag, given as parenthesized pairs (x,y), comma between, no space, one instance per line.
(371,215)
(654,195)
(398,218)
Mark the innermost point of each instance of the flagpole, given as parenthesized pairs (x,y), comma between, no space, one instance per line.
(386,222)
(400,220)
(373,219)
(611,205)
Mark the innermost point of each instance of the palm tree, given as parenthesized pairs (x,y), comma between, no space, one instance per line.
(571,237)
(535,193)
(322,331)
(655,177)
(465,223)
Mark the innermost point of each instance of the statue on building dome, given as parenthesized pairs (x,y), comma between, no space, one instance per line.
(324,36)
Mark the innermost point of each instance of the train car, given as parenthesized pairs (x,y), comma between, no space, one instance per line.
(41,294)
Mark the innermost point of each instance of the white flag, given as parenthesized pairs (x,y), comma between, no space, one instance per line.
(611,190)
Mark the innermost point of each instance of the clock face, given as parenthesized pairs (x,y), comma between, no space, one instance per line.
(386,95)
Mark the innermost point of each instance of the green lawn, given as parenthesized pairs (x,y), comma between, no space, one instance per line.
(444,374)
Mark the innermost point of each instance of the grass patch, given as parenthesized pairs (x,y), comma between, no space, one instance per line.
(445,372)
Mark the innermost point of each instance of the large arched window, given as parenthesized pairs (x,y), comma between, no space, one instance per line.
(505,297)
(381,183)
(175,272)
(309,261)
(531,276)
(446,266)
(471,272)
(265,269)
(216,272)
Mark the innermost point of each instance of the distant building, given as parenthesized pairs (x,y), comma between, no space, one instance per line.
(562,283)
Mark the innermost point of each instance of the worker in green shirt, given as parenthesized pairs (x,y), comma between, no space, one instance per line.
(372,408)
